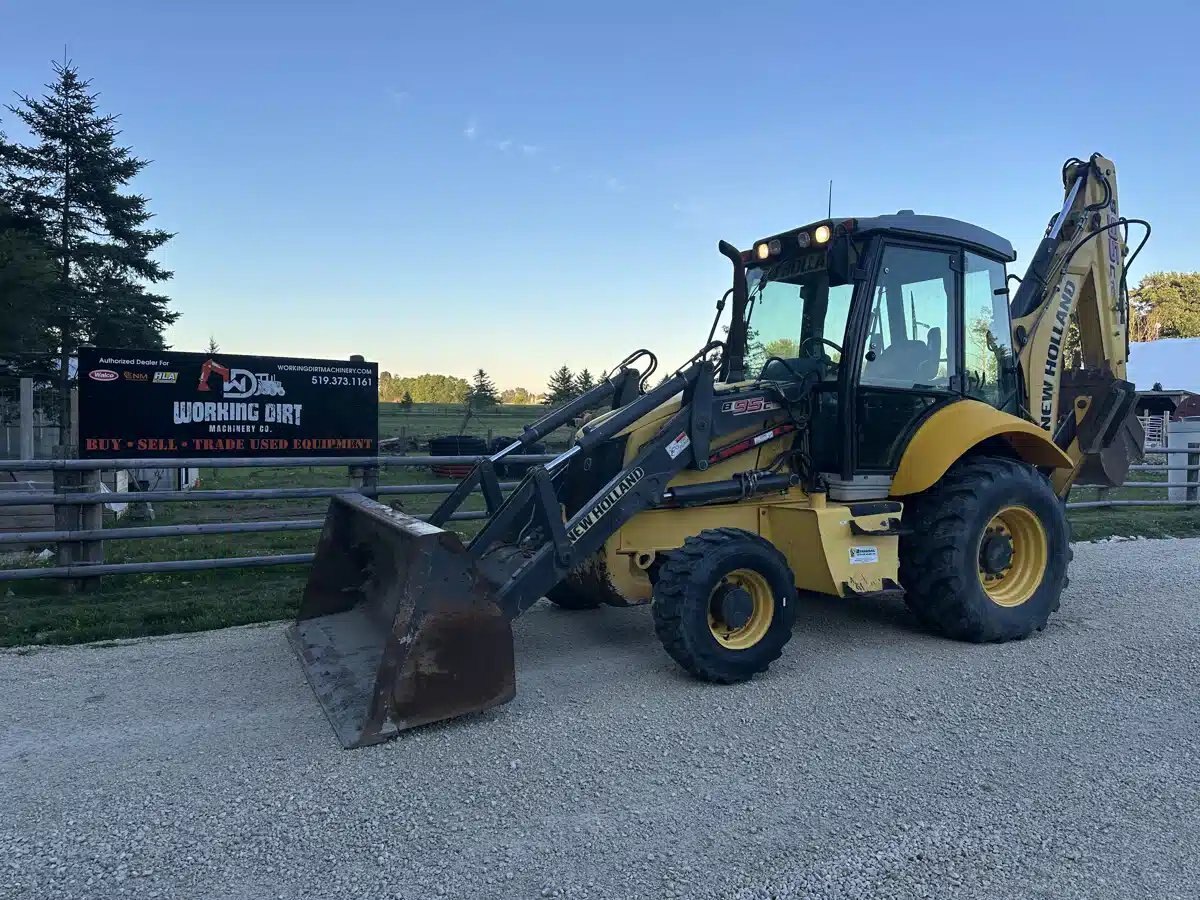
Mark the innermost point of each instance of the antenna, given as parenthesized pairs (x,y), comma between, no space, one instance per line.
(829,212)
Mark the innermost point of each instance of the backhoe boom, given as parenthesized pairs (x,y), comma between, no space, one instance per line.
(1070,321)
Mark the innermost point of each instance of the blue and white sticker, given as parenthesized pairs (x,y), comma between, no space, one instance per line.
(677,446)
(863,555)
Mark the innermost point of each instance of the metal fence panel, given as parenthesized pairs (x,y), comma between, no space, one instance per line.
(79,534)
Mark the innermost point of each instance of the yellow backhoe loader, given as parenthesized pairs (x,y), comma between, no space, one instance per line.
(885,417)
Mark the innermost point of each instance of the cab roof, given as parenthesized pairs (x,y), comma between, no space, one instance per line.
(908,222)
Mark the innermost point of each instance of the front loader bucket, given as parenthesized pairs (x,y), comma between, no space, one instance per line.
(397,628)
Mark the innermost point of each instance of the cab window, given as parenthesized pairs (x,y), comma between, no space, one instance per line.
(987,332)
(793,318)
(908,336)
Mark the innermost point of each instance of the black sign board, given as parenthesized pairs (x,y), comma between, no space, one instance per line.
(146,403)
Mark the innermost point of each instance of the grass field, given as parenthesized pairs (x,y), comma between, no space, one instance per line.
(428,420)
(37,612)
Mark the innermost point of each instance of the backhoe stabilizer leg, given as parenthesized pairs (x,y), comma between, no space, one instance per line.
(397,627)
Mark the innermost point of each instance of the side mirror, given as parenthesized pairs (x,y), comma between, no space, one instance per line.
(839,260)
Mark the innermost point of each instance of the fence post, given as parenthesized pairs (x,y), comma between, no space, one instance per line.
(365,478)
(1102,496)
(78,517)
(1190,475)
(25,420)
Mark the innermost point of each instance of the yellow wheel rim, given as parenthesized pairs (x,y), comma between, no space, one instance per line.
(1013,554)
(762,611)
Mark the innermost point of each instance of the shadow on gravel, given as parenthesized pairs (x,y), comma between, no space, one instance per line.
(548,637)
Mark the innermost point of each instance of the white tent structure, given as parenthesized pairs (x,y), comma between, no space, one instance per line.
(1172,362)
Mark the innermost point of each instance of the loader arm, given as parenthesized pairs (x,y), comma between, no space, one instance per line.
(403,624)
(1077,276)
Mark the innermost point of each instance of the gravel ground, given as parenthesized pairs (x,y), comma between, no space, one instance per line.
(873,761)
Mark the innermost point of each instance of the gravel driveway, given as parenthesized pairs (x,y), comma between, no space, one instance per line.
(873,761)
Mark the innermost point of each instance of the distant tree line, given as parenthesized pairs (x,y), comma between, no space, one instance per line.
(481,391)
(428,388)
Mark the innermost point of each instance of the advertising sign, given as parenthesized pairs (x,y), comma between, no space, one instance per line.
(146,403)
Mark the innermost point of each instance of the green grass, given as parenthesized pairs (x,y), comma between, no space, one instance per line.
(1132,521)
(38,612)
(428,420)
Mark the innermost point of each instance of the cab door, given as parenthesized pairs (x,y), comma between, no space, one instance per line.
(907,360)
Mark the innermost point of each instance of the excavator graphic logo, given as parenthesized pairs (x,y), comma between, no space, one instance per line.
(239,383)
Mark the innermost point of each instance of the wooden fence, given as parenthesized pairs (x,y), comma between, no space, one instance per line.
(77,500)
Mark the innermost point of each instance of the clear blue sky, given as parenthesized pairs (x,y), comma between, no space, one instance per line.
(519,185)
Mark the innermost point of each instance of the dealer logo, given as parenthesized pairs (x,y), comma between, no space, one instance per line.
(166,377)
(136,376)
(239,383)
(103,375)
(244,383)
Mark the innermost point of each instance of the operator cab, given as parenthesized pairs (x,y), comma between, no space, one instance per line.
(896,316)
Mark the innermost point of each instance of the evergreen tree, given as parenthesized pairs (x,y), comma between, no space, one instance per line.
(584,381)
(70,179)
(406,401)
(214,347)
(26,290)
(561,387)
(483,393)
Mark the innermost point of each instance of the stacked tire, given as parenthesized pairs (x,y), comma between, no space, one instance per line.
(456,445)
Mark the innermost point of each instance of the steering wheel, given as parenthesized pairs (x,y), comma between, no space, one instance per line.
(801,351)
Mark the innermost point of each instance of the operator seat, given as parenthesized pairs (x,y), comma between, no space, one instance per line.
(933,364)
(909,362)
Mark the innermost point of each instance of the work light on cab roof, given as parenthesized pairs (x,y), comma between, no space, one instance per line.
(802,238)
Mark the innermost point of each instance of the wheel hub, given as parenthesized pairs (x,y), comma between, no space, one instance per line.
(735,606)
(995,552)
(1013,556)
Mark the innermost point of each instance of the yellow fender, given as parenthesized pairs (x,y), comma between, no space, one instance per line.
(949,433)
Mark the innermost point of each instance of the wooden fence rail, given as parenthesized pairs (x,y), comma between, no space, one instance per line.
(79,535)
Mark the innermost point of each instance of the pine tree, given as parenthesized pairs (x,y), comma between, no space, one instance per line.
(70,180)
(584,381)
(483,394)
(561,388)
(27,286)
(213,346)
(406,401)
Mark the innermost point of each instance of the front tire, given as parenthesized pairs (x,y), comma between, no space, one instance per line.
(724,605)
(984,555)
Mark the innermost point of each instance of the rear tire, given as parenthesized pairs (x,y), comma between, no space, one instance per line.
(724,605)
(984,553)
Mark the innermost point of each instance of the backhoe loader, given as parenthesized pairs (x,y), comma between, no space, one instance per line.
(885,416)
